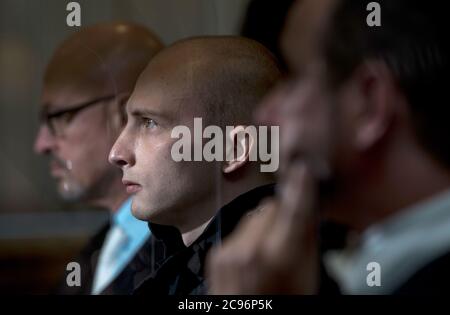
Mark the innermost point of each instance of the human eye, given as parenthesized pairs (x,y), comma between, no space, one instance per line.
(66,117)
(148,123)
(61,119)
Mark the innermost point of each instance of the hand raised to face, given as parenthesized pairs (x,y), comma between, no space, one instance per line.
(276,250)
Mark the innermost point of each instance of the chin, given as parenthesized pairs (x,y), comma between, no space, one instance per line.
(139,211)
(70,191)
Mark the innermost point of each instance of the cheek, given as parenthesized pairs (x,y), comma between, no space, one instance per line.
(300,120)
(166,182)
(88,154)
(154,164)
(307,124)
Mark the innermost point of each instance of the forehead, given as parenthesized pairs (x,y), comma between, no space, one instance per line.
(306,24)
(168,91)
(63,89)
(153,98)
(65,96)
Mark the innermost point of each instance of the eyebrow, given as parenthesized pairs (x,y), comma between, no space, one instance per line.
(138,110)
(143,112)
(46,109)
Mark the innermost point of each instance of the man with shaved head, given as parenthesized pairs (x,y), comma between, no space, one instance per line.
(86,85)
(191,204)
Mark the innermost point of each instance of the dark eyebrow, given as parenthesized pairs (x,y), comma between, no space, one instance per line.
(75,107)
(143,112)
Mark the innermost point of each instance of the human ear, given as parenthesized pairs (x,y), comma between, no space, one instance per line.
(373,103)
(238,148)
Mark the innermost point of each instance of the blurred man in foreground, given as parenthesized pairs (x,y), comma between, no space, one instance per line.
(364,142)
(86,85)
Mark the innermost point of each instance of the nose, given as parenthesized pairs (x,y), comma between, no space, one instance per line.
(45,141)
(121,153)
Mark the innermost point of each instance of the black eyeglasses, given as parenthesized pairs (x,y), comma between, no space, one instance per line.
(59,120)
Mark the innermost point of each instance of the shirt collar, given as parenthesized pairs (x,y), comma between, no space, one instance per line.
(401,245)
(133,228)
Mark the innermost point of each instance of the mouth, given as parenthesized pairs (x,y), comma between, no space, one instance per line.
(56,170)
(131,187)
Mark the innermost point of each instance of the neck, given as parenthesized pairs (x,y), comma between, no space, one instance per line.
(190,236)
(408,175)
(225,193)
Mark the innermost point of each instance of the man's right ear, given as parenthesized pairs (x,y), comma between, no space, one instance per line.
(238,154)
(379,103)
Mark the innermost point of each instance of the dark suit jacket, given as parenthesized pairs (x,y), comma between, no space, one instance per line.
(433,279)
(137,270)
(180,270)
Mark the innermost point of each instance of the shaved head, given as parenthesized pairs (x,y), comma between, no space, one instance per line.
(107,57)
(227,76)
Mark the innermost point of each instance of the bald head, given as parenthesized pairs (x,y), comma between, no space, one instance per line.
(224,77)
(105,57)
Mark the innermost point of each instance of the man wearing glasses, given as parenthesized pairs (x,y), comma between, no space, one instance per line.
(86,86)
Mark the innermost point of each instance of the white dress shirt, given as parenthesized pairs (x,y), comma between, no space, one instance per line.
(401,245)
(123,240)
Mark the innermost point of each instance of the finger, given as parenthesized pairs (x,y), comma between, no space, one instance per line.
(217,272)
(297,210)
(230,267)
